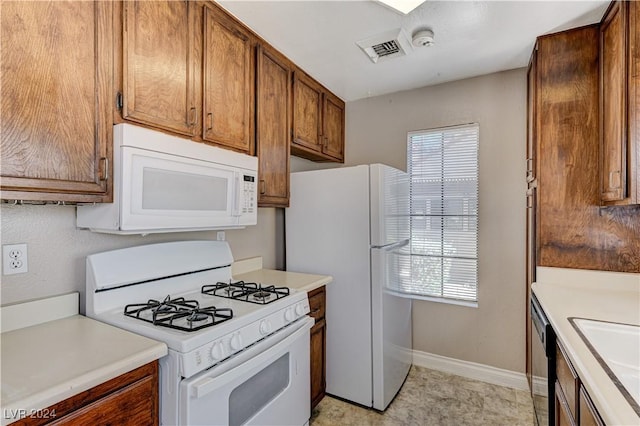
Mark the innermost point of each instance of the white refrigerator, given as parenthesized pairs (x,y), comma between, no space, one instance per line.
(352,223)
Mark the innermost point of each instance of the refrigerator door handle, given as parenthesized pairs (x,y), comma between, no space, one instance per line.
(393,246)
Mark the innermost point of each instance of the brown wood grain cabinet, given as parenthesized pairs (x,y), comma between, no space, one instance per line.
(588,414)
(197,82)
(531,205)
(318,121)
(161,65)
(56,87)
(273,126)
(618,104)
(228,82)
(572,230)
(333,126)
(574,407)
(317,305)
(129,399)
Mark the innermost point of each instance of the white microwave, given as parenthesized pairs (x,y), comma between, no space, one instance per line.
(164,183)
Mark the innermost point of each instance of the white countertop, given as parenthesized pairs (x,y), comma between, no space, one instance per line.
(250,270)
(46,363)
(595,295)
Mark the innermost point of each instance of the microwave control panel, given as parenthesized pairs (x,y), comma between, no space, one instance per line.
(249,194)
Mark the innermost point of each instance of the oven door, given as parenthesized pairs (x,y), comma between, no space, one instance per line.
(267,384)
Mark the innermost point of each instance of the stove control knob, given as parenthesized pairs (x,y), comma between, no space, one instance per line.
(217,351)
(299,310)
(265,327)
(289,315)
(236,342)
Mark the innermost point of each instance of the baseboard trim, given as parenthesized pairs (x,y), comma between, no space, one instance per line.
(471,370)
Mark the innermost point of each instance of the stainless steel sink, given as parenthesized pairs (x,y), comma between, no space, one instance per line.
(617,348)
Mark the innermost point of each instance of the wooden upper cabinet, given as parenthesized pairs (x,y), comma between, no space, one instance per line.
(333,124)
(160,65)
(532,157)
(633,100)
(613,40)
(228,82)
(619,105)
(307,113)
(318,121)
(56,95)
(273,127)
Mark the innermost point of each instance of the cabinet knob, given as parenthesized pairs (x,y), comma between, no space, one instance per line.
(263,186)
(193,113)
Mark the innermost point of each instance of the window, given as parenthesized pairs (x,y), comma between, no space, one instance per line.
(443,256)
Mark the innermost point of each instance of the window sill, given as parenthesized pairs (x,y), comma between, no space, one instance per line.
(465,303)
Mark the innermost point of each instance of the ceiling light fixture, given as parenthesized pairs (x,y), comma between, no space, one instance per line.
(403,6)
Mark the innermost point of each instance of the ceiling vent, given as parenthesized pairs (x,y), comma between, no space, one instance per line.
(391,44)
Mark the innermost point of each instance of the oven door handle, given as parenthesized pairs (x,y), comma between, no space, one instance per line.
(258,354)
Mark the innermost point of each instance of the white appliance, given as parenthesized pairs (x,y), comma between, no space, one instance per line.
(164,183)
(352,223)
(238,352)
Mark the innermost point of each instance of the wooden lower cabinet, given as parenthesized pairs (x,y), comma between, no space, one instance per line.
(588,414)
(563,413)
(317,303)
(573,406)
(129,399)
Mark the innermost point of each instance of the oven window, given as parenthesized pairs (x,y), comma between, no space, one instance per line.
(251,396)
(172,190)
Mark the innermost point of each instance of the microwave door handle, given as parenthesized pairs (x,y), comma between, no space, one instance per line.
(238,189)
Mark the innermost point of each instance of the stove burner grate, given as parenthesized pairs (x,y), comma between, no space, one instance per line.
(246,292)
(170,313)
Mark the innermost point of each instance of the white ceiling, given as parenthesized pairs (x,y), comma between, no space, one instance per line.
(471,38)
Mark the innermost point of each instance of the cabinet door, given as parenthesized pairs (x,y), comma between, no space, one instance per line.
(633,166)
(318,339)
(159,65)
(532,116)
(588,414)
(333,124)
(56,89)
(273,128)
(307,112)
(228,82)
(613,104)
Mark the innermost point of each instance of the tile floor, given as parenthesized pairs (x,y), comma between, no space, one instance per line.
(431,397)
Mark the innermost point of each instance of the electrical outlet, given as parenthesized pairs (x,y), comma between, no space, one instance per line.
(220,236)
(14,259)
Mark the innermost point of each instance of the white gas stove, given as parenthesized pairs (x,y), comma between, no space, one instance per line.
(222,335)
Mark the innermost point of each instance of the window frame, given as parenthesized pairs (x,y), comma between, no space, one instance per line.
(464,219)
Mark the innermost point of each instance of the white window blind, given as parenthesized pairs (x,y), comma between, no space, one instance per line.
(443,255)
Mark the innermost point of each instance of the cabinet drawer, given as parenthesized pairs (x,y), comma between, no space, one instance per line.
(133,405)
(317,300)
(567,379)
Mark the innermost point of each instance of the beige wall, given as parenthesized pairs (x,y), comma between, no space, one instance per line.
(492,333)
(57,250)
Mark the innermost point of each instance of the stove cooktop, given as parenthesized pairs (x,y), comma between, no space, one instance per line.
(246,292)
(178,313)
